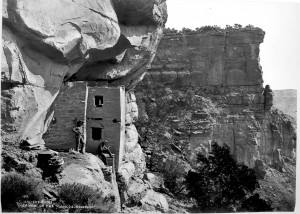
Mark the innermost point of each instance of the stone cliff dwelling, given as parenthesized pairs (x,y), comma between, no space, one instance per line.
(102,109)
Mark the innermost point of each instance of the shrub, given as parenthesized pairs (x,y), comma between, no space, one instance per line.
(170,31)
(220,183)
(255,204)
(186,30)
(208,28)
(249,27)
(173,173)
(237,26)
(76,194)
(16,187)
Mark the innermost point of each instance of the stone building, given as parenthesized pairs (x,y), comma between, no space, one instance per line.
(102,108)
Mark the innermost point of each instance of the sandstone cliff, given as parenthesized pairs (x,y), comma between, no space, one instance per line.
(46,44)
(224,67)
(212,58)
(207,86)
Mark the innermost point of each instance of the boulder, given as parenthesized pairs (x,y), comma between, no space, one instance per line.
(86,169)
(137,157)
(156,182)
(63,29)
(131,138)
(132,110)
(28,95)
(137,189)
(154,201)
(126,171)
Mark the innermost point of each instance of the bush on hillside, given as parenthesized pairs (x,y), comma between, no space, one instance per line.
(170,31)
(77,194)
(208,28)
(255,204)
(17,188)
(173,173)
(219,182)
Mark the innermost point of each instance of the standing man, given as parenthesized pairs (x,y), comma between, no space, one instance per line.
(79,136)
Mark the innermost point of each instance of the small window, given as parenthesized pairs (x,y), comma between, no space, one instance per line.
(98,101)
(96,133)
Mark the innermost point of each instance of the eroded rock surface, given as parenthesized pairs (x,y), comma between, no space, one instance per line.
(206,87)
(213,58)
(46,44)
(89,170)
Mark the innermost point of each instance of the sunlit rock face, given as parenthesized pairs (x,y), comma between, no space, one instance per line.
(207,87)
(141,30)
(45,44)
(213,58)
(89,170)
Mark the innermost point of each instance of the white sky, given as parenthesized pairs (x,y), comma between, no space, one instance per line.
(280,51)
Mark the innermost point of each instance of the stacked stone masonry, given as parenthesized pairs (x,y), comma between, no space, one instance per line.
(69,108)
(104,118)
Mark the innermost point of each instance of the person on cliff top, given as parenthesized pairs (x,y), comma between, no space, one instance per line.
(79,136)
(104,152)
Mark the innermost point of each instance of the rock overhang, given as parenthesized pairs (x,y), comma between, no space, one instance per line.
(48,44)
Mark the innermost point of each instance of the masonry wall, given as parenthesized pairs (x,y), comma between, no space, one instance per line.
(110,117)
(69,108)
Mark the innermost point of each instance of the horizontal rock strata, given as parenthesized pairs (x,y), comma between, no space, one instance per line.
(206,87)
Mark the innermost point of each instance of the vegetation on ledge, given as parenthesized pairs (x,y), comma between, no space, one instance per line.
(209,29)
(221,184)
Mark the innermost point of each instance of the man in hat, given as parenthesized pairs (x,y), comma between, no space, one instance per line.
(103,151)
(79,136)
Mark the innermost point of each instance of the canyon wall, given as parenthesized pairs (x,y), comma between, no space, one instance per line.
(213,58)
(208,86)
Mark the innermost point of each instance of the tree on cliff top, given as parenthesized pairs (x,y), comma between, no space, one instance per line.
(220,183)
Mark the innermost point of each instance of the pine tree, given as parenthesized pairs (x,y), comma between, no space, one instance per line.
(219,182)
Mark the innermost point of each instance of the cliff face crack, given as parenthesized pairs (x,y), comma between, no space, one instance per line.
(103,15)
(225,56)
(74,18)
(234,142)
